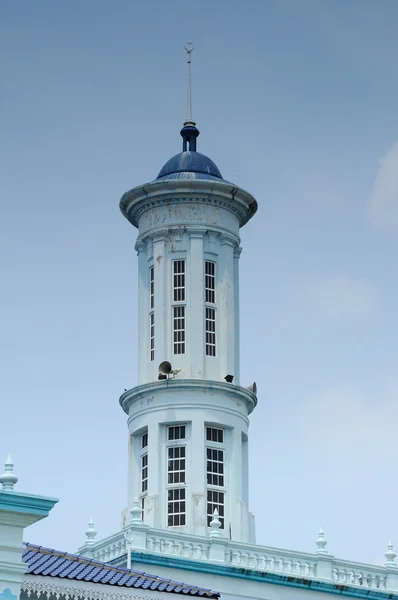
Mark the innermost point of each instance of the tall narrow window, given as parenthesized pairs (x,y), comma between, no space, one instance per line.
(179,280)
(179,329)
(152,312)
(210,281)
(210,331)
(179,294)
(215,476)
(210,300)
(176,476)
(152,326)
(144,471)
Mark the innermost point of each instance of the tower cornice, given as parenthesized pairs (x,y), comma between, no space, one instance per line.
(144,197)
(141,392)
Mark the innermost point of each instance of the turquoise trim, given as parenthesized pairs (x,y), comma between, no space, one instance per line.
(274,578)
(7,595)
(26,503)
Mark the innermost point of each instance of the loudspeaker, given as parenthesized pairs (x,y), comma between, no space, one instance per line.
(253,388)
(165,368)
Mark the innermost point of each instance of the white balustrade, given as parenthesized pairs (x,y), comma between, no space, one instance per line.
(357,574)
(256,558)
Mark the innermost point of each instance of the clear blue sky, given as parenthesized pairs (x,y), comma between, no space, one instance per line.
(296,102)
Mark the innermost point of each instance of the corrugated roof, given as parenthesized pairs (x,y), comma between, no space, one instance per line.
(52,563)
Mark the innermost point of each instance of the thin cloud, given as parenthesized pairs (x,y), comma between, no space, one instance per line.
(343,297)
(383,209)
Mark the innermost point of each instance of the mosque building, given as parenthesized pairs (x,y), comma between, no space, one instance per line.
(188,514)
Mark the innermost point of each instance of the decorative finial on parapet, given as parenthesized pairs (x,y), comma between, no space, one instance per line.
(390,556)
(136,512)
(215,525)
(91,533)
(321,542)
(8,479)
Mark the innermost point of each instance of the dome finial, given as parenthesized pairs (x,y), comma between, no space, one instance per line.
(188,121)
(189,132)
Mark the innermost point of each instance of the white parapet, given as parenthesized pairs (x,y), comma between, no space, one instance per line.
(263,559)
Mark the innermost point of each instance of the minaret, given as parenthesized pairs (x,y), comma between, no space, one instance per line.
(188,417)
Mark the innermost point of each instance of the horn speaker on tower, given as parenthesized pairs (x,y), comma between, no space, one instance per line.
(253,388)
(165,368)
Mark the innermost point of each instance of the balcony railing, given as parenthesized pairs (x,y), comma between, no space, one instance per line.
(317,566)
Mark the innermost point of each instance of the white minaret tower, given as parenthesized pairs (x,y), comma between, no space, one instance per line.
(188,417)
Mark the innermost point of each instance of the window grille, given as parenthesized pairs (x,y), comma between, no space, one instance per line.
(215,500)
(179,297)
(176,476)
(213,434)
(215,473)
(179,280)
(179,329)
(175,465)
(144,473)
(176,509)
(210,282)
(152,287)
(152,313)
(176,432)
(210,331)
(215,467)
(152,334)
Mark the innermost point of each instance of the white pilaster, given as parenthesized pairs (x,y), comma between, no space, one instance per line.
(196,309)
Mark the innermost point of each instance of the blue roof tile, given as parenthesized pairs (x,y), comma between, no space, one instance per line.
(52,563)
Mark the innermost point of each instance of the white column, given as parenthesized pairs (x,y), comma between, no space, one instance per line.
(143,314)
(237,253)
(155,500)
(234,483)
(162,314)
(196,351)
(198,509)
(227,331)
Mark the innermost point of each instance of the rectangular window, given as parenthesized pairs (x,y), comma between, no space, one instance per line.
(176,507)
(215,473)
(175,465)
(152,313)
(152,333)
(152,286)
(210,331)
(215,467)
(176,432)
(210,282)
(179,280)
(213,434)
(179,296)
(144,473)
(215,500)
(179,329)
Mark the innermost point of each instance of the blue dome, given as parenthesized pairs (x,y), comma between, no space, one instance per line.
(190,165)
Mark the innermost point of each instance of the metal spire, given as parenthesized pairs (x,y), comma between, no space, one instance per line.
(189,47)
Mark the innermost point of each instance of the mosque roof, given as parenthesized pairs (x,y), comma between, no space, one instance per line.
(52,563)
(190,165)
